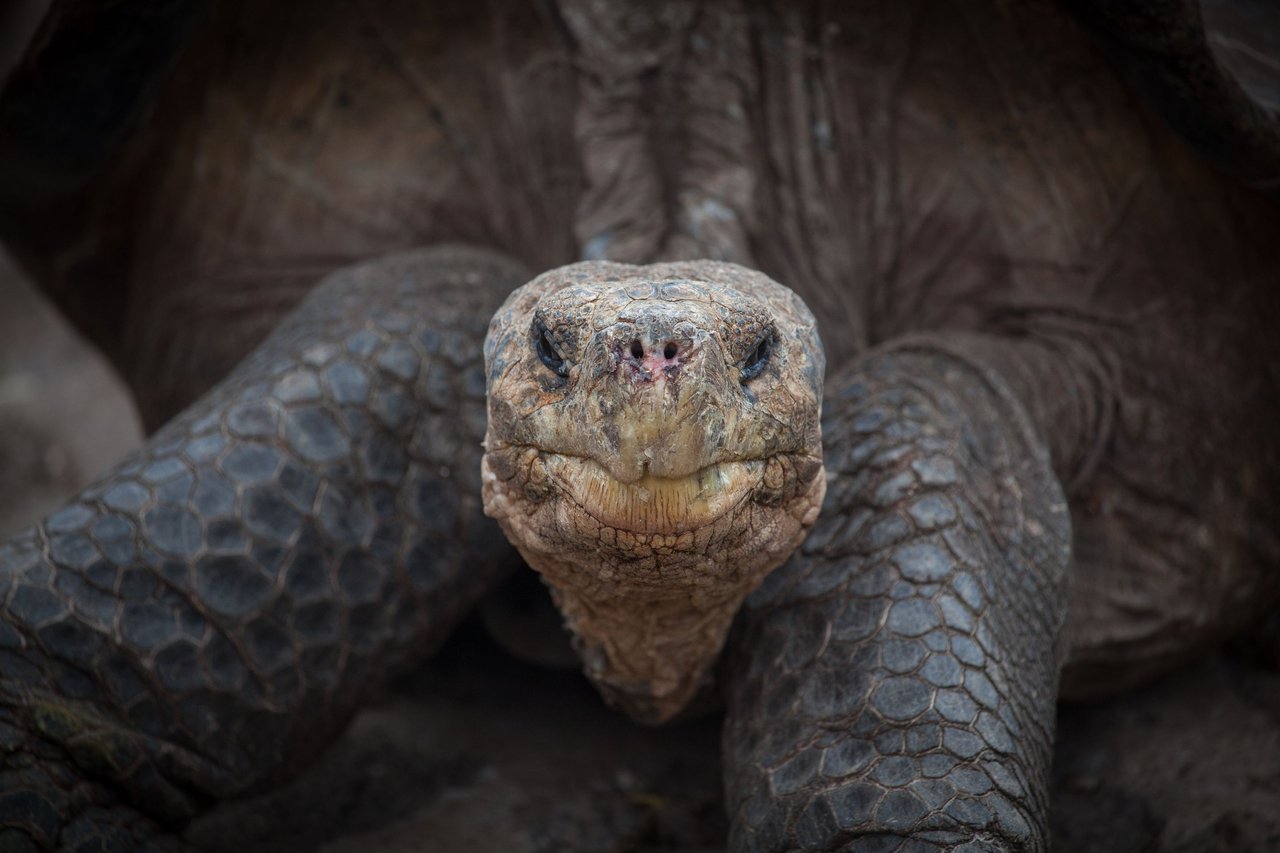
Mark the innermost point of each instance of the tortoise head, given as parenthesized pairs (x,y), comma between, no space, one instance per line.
(654,450)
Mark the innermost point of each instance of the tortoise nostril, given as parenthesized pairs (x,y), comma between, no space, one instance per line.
(669,351)
(637,350)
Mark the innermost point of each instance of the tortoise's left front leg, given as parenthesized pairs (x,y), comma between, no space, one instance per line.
(894,683)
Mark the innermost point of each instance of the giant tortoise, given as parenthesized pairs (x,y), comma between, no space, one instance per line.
(1048,449)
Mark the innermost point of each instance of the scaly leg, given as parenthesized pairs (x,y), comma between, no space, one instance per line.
(199,623)
(894,684)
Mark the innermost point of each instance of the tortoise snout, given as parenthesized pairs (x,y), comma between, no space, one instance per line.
(652,358)
(653,347)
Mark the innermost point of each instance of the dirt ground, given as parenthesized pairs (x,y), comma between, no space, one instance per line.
(480,752)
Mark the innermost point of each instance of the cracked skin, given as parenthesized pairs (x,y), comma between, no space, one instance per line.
(1047,334)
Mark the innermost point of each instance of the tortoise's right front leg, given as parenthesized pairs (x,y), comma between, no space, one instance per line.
(201,622)
(895,683)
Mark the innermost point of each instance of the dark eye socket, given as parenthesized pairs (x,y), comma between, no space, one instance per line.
(547,351)
(759,358)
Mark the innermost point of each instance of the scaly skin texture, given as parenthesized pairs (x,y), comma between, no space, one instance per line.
(909,655)
(653,450)
(975,171)
(198,624)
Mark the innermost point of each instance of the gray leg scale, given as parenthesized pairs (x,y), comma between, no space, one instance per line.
(199,623)
(892,687)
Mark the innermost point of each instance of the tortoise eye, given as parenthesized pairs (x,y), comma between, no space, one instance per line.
(759,358)
(547,351)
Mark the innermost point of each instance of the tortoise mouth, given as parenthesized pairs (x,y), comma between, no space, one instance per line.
(663,505)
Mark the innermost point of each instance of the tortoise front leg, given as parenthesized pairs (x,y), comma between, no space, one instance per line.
(201,622)
(894,684)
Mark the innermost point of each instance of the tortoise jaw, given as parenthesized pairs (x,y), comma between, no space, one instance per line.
(653,504)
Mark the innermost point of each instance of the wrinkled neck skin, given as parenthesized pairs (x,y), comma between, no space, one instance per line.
(649,613)
(654,451)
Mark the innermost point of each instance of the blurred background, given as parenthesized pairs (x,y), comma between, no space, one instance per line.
(65,416)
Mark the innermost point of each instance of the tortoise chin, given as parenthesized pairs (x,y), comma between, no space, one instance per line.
(648,575)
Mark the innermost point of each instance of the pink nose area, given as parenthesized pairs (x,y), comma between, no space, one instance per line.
(657,358)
